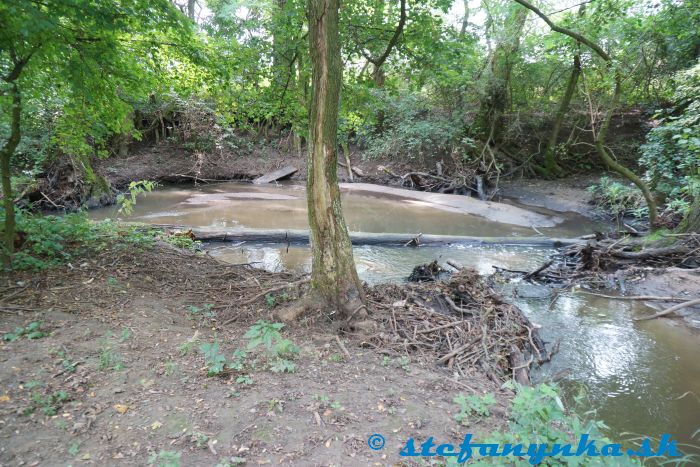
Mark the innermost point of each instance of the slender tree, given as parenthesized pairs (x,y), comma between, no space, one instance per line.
(334,278)
(602,131)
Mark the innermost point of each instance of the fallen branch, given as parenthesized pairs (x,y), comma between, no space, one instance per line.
(262,294)
(633,297)
(668,311)
(342,347)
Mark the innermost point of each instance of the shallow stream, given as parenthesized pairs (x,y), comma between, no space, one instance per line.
(640,377)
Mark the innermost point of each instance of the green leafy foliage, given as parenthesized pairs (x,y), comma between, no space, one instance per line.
(165,459)
(470,406)
(412,127)
(49,404)
(53,240)
(213,359)
(31,331)
(127,201)
(279,350)
(618,198)
(671,153)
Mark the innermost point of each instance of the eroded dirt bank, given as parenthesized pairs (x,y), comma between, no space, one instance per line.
(60,188)
(119,376)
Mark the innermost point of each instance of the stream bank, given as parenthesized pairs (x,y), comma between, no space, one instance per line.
(123,329)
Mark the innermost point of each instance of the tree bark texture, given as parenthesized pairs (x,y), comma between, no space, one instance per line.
(334,277)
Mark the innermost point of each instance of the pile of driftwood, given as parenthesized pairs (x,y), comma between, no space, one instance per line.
(461,323)
(605,262)
(465,182)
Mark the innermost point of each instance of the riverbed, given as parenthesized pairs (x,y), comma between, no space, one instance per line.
(639,377)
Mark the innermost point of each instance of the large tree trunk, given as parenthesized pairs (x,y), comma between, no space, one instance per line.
(550,164)
(5,155)
(334,277)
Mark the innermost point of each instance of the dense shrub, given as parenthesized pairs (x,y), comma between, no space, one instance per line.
(671,154)
(411,127)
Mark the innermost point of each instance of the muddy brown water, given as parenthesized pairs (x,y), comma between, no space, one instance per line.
(640,378)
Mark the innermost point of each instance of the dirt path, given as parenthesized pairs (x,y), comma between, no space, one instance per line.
(119,378)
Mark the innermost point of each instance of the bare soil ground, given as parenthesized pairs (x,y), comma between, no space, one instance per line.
(121,319)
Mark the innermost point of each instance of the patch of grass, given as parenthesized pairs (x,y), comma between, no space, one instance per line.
(336,358)
(109,359)
(169,367)
(125,335)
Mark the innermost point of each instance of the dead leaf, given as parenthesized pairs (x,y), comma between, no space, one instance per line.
(121,408)
(4,398)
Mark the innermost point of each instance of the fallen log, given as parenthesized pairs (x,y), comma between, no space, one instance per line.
(651,252)
(361,238)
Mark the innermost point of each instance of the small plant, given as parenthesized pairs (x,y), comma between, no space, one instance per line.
(619,199)
(125,335)
(214,361)
(245,380)
(169,368)
(31,331)
(109,359)
(199,439)
(49,404)
(336,358)
(186,347)
(325,402)
(206,311)
(238,362)
(232,461)
(278,349)
(282,365)
(184,242)
(68,365)
(165,459)
(74,448)
(473,405)
(275,405)
(400,362)
(273,300)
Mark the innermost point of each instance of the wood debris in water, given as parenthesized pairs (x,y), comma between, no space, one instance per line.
(460,322)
